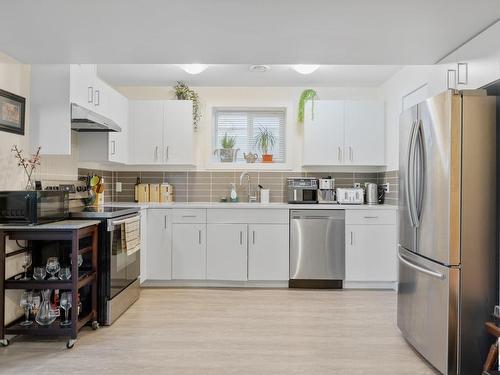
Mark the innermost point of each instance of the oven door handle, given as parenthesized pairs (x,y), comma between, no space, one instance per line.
(113,223)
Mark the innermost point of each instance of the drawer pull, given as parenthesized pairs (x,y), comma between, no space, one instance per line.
(188,215)
(371,217)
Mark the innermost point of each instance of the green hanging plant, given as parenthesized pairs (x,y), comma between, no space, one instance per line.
(183,92)
(306,95)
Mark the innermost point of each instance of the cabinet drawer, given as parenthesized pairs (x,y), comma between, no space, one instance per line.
(376,217)
(189,215)
(247,215)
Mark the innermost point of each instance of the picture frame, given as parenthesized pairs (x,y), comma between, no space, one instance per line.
(12,112)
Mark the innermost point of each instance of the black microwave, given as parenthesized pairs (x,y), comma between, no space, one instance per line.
(33,207)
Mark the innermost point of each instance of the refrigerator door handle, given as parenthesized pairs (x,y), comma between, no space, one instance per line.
(421,172)
(409,174)
(416,267)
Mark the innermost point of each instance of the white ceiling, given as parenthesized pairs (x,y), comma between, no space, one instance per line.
(240,75)
(394,32)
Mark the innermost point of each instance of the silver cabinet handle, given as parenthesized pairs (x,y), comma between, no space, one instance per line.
(462,73)
(421,269)
(90,94)
(199,236)
(253,237)
(352,238)
(166,154)
(371,217)
(96,98)
(351,153)
(165,221)
(156,153)
(451,79)
(339,153)
(188,215)
(113,147)
(241,238)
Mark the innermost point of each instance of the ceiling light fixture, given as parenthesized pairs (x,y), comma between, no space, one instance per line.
(194,68)
(305,68)
(259,68)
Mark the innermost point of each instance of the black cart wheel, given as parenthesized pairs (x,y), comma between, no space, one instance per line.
(95,325)
(70,343)
(4,342)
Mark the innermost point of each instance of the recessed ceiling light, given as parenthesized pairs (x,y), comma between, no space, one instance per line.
(259,68)
(305,68)
(194,68)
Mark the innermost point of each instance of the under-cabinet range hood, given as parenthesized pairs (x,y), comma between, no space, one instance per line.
(85,120)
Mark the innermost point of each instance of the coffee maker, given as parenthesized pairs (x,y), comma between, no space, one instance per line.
(326,190)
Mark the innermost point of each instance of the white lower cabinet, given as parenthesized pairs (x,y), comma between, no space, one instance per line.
(268,252)
(189,252)
(370,253)
(227,252)
(159,240)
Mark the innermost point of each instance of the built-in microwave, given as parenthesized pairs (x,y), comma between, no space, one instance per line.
(302,189)
(33,207)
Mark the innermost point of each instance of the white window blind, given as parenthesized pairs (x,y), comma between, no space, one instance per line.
(244,124)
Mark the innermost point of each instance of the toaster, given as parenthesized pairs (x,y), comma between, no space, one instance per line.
(350,196)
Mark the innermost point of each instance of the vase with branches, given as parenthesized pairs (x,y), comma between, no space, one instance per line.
(183,92)
(29,165)
(265,141)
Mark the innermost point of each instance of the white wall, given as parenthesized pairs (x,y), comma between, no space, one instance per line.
(250,97)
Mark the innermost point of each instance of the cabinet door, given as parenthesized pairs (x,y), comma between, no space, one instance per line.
(268,252)
(146,128)
(178,132)
(364,132)
(371,253)
(227,252)
(189,254)
(159,240)
(119,142)
(82,85)
(324,133)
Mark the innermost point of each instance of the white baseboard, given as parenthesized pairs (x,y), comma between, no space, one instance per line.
(213,284)
(393,285)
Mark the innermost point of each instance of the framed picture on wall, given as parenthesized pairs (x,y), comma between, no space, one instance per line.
(12,108)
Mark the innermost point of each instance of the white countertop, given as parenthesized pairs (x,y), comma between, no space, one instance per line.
(286,206)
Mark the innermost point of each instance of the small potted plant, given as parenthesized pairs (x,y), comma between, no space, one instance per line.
(265,141)
(227,153)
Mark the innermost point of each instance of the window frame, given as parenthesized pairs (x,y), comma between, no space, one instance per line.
(284,164)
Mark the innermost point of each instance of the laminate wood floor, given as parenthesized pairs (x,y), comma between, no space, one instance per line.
(233,331)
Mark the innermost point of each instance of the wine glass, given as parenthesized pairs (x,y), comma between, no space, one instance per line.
(65,273)
(26,303)
(39,273)
(53,267)
(65,302)
(26,264)
(80,260)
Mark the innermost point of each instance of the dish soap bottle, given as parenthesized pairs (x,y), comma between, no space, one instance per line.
(233,195)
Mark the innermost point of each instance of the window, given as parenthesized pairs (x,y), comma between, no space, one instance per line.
(244,124)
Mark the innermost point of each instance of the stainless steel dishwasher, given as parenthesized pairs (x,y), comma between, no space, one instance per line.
(317,248)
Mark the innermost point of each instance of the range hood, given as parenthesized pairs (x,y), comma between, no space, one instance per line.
(85,120)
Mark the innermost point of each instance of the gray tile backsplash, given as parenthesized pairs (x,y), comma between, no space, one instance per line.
(196,186)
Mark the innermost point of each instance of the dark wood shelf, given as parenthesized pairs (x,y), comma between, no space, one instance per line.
(84,279)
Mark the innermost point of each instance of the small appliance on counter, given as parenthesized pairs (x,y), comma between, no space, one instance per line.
(326,190)
(33,207)
(371,193)
(350,196)
(302,189)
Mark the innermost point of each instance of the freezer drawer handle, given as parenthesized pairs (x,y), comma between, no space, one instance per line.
(421,269)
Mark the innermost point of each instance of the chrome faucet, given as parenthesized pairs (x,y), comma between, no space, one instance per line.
(251,198)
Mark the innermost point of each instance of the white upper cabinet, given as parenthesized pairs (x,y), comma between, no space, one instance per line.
(339,132)
(54,88)
(324,133)
(364,133)
(161,132)
(146,131)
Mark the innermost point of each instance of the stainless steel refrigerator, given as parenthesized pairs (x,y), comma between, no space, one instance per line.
(447,222)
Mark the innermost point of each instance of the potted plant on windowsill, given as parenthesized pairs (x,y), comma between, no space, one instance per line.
(265,141)
(227,153)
